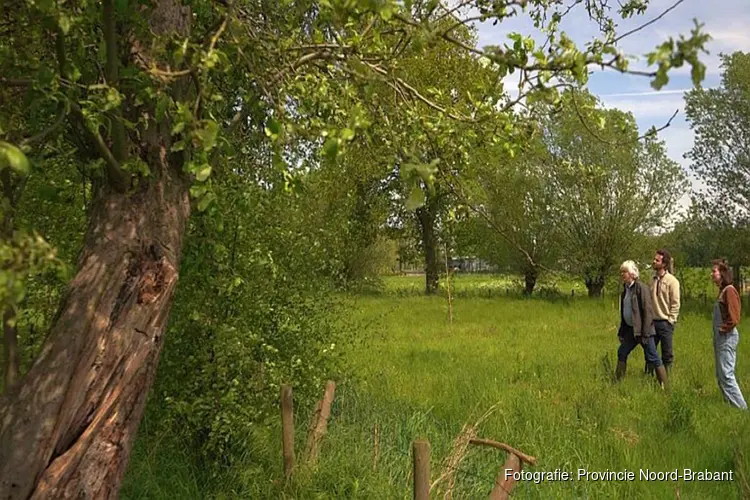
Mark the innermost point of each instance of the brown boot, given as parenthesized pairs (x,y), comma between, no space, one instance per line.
(661,376)
(620,370)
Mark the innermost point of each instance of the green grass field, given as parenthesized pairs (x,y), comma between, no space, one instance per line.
(546,364)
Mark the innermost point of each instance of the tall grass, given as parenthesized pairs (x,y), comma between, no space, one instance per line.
(548,366)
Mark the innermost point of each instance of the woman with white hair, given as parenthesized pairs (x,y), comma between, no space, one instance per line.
(636,322)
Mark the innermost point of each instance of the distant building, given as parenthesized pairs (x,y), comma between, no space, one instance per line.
(470,265)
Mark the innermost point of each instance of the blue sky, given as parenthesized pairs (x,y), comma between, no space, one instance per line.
(726,21)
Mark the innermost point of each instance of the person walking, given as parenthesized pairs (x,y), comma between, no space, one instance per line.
(636,323)
(726,316)
(665,296)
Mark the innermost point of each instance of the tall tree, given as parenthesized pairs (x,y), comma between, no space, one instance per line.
(162,94)
(720,119)
(514,221)
(611,185)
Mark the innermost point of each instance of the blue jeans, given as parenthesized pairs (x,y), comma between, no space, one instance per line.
(630,342)
(725,355)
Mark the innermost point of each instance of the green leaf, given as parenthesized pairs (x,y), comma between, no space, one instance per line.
(207,135)
(698,73)
(273,128)
(198,190)
(114,98)
(416,198)
(64,22)
(661,78)
(347,134)
(386,12)
(202,174)
(11,156)
(331,148)
(205,201)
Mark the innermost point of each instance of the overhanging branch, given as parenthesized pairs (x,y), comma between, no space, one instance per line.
(118,178)
(652,132)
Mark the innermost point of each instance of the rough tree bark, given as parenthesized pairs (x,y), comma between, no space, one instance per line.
(530,276)
(10,333)
(10,348)
(66,429)
(426,215)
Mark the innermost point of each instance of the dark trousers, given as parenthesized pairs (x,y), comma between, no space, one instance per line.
(664,330)
(630,342)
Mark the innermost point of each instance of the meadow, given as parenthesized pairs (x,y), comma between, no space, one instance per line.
(544,364)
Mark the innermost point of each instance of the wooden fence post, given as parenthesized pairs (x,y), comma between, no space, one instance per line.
(421,450)
(287,429)
(320,423)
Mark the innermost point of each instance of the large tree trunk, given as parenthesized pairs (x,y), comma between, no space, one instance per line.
(429,245)
(67,427)
(10,333)
(10,347)
(530,277)
(594,284)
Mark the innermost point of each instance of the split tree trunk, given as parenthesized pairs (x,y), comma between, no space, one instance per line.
(426,216)
(67,427)
(530,277)
(595,285)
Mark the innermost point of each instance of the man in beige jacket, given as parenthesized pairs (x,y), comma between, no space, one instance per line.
(665,296)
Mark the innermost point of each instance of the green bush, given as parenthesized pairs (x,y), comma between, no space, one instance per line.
(251,313)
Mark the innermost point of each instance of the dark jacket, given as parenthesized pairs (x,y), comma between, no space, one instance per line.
(643,312)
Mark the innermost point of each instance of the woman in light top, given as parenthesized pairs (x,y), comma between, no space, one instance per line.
(726,317)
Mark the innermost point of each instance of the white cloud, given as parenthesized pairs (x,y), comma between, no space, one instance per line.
(648,109)
(647,93)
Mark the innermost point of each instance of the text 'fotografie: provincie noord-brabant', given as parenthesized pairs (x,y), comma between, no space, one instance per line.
(622,475)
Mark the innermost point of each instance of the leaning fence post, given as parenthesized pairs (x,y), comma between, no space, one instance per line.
(421,451)
(505,478)
(287,429)
(320,423)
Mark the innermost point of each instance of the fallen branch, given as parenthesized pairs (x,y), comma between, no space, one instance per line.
(502,446)
(459,449)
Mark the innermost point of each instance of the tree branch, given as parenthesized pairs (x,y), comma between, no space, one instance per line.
(16,82)
(445,36)
(491,222)
(649,23)
(111,73)
(118,178)
(241,115)
(417,95)
(649,133)
(62,113)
